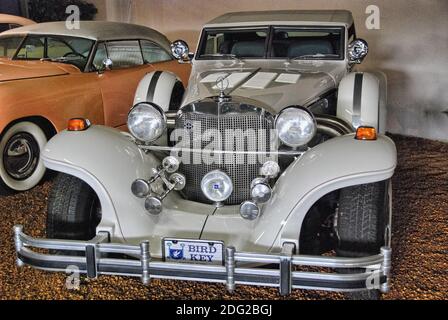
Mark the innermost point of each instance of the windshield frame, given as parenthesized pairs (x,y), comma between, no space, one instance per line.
(271,30)
(61,38)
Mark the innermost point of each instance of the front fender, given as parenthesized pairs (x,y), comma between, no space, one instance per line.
(335,164)
(109,161)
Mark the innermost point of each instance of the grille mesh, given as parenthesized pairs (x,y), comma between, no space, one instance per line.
(241,168)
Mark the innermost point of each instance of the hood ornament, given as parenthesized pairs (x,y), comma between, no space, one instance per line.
(223,83)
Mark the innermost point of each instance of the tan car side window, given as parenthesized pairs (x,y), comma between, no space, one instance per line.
(152,53)
(125,54)
(8,46)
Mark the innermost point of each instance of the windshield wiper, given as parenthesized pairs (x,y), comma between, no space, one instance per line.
(318,55)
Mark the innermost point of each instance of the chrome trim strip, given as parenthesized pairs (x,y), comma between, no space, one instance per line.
(292,153)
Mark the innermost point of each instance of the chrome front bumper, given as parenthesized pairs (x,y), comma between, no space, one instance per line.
(374,274)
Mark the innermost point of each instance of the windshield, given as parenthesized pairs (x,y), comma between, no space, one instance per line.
(62,49)
(277,42)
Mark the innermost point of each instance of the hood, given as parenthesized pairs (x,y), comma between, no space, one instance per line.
(276,84)
(20,70)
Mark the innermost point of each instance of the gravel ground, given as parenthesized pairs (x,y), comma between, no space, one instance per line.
(420,243)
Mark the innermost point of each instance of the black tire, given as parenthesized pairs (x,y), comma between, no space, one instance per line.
(74,210)
(361,224)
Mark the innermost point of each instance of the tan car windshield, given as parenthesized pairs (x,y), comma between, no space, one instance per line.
(69,50)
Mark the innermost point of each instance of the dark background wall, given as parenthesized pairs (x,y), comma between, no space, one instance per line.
(11,7)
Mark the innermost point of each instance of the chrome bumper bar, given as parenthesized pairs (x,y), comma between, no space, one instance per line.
(374,270)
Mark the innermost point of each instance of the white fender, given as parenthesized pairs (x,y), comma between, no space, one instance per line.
(162,88)
(338,163)
(109,161)
(362,100)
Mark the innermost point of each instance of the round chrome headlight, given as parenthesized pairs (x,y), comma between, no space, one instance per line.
(217,186)
(146,122)
(296,127)
(358,50)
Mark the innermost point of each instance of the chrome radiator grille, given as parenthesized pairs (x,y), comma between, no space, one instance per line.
(242,168)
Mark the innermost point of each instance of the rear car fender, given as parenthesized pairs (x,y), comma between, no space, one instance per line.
(163,88)
(108,161)
(335,164)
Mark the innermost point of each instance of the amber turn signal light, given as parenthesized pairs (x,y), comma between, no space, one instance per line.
(78,124)
(366,133)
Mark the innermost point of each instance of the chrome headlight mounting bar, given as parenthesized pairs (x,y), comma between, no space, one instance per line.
(285,277)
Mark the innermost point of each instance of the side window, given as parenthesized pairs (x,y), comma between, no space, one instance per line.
(4,27)
(33,48)
(152,53)
(125,54)
(8,46)
(100,55)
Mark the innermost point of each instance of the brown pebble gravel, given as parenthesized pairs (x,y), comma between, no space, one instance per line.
(420,243)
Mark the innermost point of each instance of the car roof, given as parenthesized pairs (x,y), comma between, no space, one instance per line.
(284,16)
(7,18)
(95,30)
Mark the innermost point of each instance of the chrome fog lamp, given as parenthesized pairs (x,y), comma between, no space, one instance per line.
(270,169)
(249,210)
(146,122)
(153,205)
(358,50)
(170,164)
(141,188)
(296,127)
(261,192)
(217,186)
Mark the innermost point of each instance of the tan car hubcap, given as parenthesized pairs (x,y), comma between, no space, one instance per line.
(21,156)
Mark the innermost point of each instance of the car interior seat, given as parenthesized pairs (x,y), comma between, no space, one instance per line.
(310,47)
(249,49)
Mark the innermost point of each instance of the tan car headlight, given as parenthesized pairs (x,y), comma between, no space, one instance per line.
(146,122)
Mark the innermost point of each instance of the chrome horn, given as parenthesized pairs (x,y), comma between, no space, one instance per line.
(142,188)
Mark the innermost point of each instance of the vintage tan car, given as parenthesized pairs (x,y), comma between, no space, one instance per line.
(8,22)
(50,74)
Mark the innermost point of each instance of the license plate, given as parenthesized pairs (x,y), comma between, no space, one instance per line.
(193,251)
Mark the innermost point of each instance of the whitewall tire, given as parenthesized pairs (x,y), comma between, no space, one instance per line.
(21,168)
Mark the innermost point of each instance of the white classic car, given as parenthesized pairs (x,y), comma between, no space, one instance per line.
(274,159)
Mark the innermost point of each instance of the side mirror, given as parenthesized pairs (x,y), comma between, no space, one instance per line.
(106,65)
(357,51)
(181,51)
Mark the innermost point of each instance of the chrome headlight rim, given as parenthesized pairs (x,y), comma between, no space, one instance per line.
(163,122)
(302,109)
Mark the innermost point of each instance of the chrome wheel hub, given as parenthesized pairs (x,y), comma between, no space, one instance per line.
(21,156)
